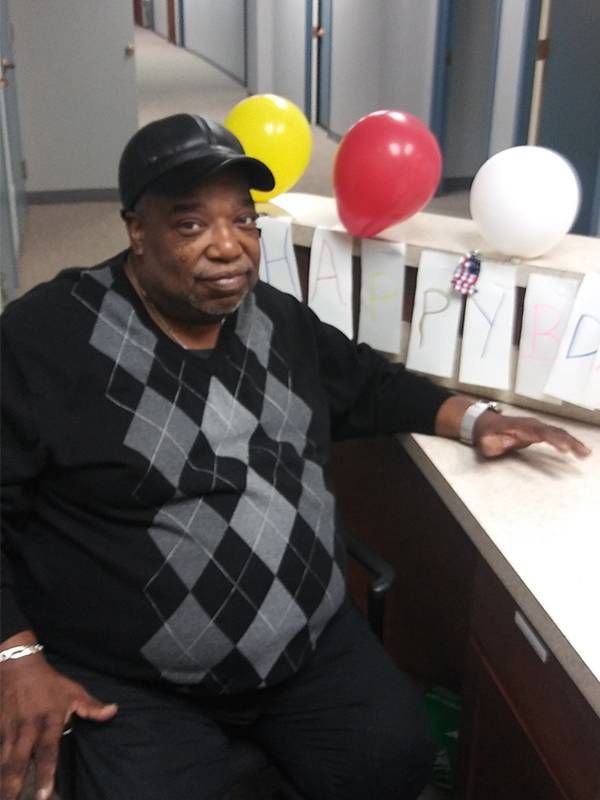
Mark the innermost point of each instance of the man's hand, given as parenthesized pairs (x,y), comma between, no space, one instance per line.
(495,435)
(37,702)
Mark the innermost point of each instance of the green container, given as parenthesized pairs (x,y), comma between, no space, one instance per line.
(443,709)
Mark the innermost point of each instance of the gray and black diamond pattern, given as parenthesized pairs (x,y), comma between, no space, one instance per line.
(249,577)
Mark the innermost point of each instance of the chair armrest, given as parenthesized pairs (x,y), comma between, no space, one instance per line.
(382,577)
(382,571)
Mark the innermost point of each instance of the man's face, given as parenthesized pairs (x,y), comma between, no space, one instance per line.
(197,254)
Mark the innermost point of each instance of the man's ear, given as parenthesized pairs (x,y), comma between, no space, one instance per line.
(134,222)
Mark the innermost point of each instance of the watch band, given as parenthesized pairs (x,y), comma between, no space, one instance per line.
(470,417)
(20,651)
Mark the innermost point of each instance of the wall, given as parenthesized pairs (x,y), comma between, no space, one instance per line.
(511,52)
(289,51)
(215,30)
(276,57)
(383,55)
(355,61)
(260,36)
(471,78)
(77,92)
(408,41)
(161,21)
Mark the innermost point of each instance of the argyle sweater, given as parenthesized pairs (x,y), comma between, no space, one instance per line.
(168,516)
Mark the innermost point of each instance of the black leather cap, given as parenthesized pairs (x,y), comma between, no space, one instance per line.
(183,139)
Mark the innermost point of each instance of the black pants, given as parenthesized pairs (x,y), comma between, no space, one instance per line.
(348,726)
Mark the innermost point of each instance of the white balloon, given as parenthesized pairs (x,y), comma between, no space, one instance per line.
(525,199)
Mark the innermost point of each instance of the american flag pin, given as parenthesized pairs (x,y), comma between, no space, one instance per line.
(466,273)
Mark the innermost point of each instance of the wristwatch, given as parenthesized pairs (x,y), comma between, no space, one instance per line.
(471,416)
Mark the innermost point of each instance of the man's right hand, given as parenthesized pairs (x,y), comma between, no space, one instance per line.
(37,702)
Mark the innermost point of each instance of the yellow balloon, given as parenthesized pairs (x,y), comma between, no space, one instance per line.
(275,131)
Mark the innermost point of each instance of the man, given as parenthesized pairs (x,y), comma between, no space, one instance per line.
(170,535)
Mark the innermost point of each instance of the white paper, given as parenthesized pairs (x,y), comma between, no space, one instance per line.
(487,335)
(381,294)
(548,303)
(574,367)
(436,316)
(330,279)
(278,265)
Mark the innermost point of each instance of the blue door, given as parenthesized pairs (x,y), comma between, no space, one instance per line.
(570,107)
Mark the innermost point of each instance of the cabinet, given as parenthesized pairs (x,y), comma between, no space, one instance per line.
(499,761)
(527,731)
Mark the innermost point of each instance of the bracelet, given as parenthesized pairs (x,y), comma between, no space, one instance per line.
(20,651)
(471,415)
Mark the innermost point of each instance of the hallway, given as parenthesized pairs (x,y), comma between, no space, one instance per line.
(169,80)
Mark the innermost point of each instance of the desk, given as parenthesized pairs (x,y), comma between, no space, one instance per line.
(474,544)
(534,519)
(498,563)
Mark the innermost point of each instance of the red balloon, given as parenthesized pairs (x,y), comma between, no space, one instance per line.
(387,167)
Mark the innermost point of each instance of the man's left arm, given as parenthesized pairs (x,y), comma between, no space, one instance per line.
(496,434)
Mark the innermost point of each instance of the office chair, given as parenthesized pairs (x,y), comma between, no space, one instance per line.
(254,777)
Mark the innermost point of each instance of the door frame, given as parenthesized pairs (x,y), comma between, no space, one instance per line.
(439,94)
(311,7)
(181,32)
(171,24)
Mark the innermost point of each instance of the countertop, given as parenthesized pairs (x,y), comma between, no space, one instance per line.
(573,255)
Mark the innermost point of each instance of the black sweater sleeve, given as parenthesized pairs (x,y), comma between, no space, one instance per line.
(22,460)
(368,395)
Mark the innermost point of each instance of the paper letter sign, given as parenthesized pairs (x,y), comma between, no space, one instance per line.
(382,294)
(330,279)
(487,336)
(574,367)
(436,316)
(277,258)
(548,302)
